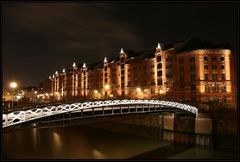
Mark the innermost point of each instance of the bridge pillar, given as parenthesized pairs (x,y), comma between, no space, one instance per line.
(81,112)
(103,110)
(112,111)
(120,109)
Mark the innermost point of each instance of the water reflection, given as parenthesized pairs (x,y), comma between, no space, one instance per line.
(57,143)
(97,154)
(34,137)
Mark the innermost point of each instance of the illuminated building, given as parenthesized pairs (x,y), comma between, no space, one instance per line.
(187,71)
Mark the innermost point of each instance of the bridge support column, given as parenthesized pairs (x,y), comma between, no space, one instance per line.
(148,107)
(112,111)
(128,108)
(82,113)
(103,110)
(120,109)
(92,111)
(136,107)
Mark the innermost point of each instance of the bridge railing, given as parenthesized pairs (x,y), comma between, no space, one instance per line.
(18,117)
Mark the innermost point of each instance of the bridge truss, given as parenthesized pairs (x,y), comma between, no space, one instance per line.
(19,117)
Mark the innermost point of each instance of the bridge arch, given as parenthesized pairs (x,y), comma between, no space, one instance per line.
(19,117)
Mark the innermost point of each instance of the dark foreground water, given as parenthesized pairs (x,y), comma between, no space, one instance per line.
(84,142)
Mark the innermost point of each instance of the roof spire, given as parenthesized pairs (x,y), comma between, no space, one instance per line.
(74,64)
(84,65)
(121,51)
(105,60)
(159,46)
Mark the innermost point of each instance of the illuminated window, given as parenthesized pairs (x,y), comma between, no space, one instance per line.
(222,67)
(207,88)
(215,87)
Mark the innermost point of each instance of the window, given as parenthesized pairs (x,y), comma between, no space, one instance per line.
(160,73)
(215,87)
(159,81)
(205,67)
(192,67)
(224,99)
(222,66)
(181,68)
(192,77)
(181,61)
(207,89)
(223,77)
(181,78)
(193,88)
(224,87)
(214,77)
(205,58)
(159,65)
(214,58)
(214,66)
(192,59)
(206,76)
(159,58)
(222,58)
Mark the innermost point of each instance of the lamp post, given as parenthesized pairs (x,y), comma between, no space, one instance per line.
(13,85)
(35,92)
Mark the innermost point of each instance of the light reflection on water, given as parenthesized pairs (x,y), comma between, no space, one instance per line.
(81,142)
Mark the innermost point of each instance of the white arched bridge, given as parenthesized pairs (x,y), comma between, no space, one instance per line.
(95,108)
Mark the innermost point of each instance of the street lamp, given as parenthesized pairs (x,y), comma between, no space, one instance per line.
(13,85)
(160,92)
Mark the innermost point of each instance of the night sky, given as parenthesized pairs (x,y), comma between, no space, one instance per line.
(40,38)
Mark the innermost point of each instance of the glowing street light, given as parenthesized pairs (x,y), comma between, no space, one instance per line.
(13,85)
(160,91)
(107,86)
(138,89)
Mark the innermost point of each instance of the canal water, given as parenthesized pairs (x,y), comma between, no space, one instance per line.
(87,142)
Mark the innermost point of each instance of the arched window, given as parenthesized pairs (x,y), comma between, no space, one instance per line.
(205,58)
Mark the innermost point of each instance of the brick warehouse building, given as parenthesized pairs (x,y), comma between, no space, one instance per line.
(189,71)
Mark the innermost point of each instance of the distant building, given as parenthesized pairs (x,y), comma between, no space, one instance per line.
(189,71)
(30,93)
